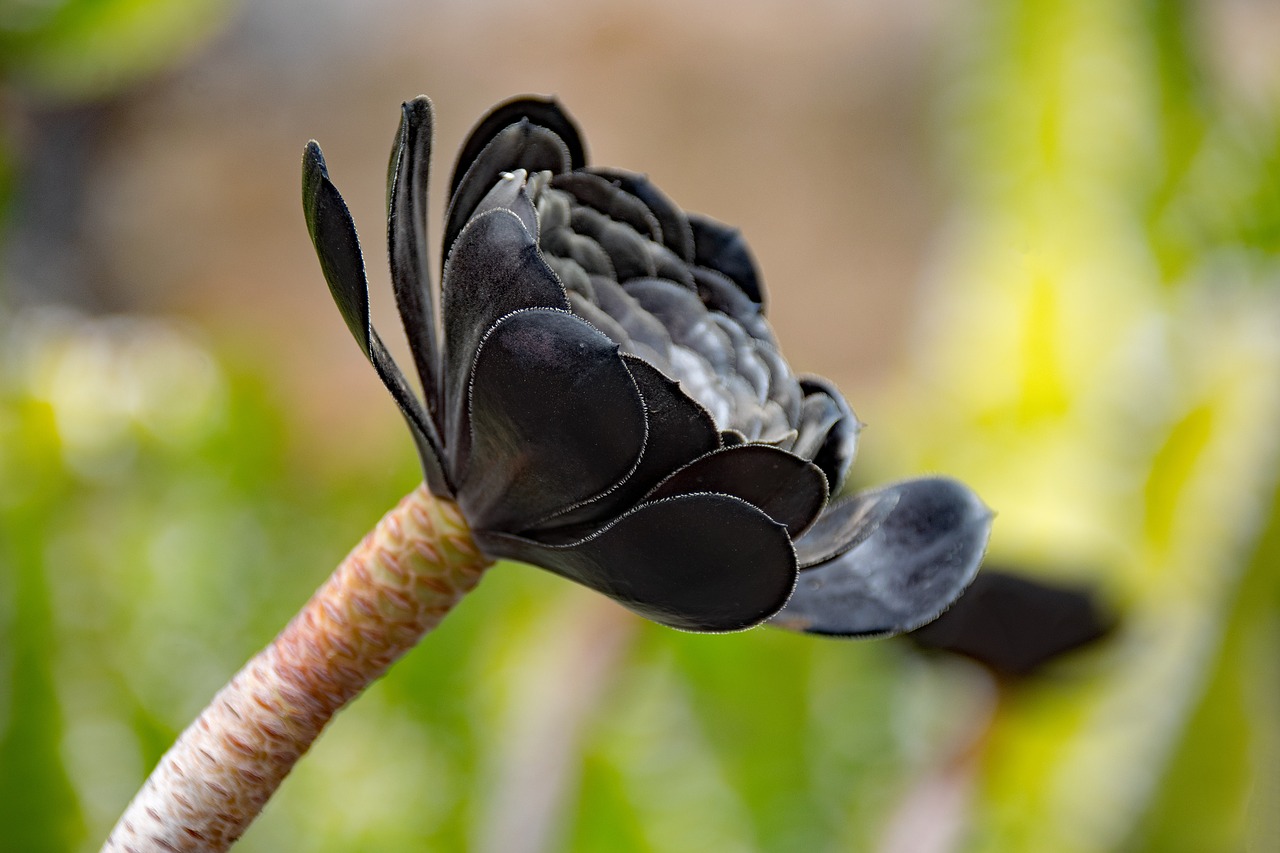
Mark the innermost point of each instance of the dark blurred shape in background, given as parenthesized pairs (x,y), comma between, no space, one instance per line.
(1015,625)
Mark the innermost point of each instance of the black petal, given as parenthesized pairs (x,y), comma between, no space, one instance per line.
(828,429)
(334,235)
(722,248)
(667,264)
(678,308)
(783,388)
(590,311)
(628,252)
(748,384)
(694,562)
(703,356)
(641,327)
(679,431)
(544,112)
(609,199)
(556,420)
(747,363)
(493,270)
(583,251)
(677,235)
(520,146)
(818,414)
(910,569)
(719,293)
(407,244)
(510,193)
(785,487)
(837,453)
(573,277)
(845,523)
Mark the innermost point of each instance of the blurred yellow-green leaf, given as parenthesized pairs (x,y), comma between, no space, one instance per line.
(1101,361)
(1095,350)
(79,49)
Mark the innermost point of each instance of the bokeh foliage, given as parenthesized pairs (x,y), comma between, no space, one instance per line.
(1097,354)
(133,592)
(1101,361)
(84,49)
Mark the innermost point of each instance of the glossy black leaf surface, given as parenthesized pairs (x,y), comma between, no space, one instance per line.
(785,487)
(556,420)
(694,562)
(911,567)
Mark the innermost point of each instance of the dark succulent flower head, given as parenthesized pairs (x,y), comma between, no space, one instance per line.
(604,398)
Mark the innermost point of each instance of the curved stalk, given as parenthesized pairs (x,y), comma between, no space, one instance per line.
(393,588)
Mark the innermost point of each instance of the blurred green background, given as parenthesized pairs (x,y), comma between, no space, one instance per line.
(1037,244)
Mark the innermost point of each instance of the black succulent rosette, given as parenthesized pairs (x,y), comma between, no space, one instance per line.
(604,398)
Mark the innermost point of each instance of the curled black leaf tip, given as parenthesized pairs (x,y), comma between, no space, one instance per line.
(417,107)
(407,246)
(604,398)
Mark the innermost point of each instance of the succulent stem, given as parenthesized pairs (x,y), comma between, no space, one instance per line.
(393,588)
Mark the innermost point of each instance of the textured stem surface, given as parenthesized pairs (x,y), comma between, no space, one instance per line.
(394,587)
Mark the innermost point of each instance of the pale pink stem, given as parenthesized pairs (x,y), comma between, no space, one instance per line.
(393,588)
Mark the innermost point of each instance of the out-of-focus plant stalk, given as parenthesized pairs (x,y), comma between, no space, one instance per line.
(393,588)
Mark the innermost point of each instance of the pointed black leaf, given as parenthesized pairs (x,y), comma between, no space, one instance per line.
(425,437)
(407,245)
(695,562)
(334,235)
(556,420)
(785,487)
(910,569)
